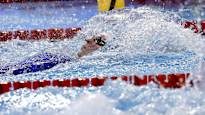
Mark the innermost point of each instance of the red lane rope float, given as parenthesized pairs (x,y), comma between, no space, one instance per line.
(203,27)
(192,25)
(197,27)
(166,81)
(4,36)
(37,34)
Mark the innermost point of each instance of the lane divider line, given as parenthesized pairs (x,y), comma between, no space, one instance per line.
(177,80)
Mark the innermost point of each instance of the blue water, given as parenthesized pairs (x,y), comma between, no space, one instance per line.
(35,15)
(140,41)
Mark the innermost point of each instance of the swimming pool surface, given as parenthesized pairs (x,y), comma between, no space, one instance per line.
(142,41)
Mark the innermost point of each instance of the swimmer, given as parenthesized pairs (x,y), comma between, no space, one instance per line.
(92,45)
(47,60)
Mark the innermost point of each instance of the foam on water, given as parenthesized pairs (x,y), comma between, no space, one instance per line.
(144,30)
(116,98)
(138,39)
(141,35)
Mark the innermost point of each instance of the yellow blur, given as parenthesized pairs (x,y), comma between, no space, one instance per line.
(104,5)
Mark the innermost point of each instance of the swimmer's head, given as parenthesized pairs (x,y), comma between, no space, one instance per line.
(92,45)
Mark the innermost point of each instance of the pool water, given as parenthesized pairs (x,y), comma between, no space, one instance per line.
(141,41)
(42,15)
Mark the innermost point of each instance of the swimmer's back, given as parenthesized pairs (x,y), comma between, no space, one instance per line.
(36,63)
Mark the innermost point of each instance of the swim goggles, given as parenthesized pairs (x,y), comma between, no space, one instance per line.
(99,41)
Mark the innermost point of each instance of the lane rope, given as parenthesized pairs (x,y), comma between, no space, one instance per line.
(38,34)
(172,81)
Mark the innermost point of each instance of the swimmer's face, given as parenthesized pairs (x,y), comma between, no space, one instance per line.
(92,45)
